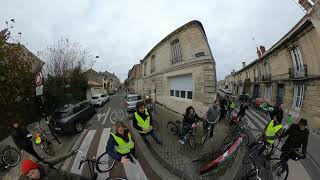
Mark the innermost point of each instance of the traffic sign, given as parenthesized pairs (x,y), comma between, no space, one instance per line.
(39,79)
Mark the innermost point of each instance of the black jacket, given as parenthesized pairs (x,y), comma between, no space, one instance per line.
(188,121)
(19,136)
(296,139)
(144,117)
(276,111)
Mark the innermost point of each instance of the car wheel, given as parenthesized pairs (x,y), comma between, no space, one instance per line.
(78,127)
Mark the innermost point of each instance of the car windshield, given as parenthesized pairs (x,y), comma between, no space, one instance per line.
(95,97)
(61,115)
(134,98)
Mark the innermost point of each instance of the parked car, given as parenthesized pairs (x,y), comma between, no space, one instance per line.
(116,89)
(132,100)
(71,117)
(99,99)
(111,92)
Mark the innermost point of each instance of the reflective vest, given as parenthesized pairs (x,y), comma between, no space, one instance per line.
(232,105)
(124,147)
(143,123)
(271,130)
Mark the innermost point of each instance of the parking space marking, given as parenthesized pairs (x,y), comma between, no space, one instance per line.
(105,117)
(102,148)
(84,148)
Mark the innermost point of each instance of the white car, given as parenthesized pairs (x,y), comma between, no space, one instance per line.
(99,99)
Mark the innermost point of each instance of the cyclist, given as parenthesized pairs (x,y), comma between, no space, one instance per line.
(298,136)
(273,129)
(212,116)
(190,120)
(142,121)
(35,170)
(22,138)
(121,145)
(278,109)
(149,104)
(242,111)
(231,105)
(223,108)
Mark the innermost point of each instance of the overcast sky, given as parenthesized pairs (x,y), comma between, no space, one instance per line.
(122,32)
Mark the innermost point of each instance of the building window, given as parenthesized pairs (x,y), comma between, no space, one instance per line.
(183,94)
(298,93)
(176,55)
(177,93)
(171,92)
(199,54)
(247,75)
(298,66)
(153,65)
(266,69)
(189,95)
(145,68)
(268,92)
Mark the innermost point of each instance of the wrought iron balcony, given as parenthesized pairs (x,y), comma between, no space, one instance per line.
(298,72)
(266,77)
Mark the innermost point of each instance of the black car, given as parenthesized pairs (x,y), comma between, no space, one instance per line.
(71,117)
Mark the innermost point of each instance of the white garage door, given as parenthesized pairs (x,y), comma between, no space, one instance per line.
(96,91)
(181,86)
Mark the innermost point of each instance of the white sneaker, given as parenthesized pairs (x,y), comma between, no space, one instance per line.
(181,141)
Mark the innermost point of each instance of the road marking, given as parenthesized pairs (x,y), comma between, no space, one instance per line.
(105,117)
(84,148)
(102,148)
(135,171)
(116,115)
(75,146)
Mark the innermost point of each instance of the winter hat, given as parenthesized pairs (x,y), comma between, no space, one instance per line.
(28,165)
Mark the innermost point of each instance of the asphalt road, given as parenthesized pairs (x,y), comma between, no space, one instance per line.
(92,142)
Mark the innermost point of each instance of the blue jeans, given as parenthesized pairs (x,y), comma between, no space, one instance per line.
(153,135)
(184,131)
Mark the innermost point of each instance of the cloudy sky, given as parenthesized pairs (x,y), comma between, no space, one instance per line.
(122,32)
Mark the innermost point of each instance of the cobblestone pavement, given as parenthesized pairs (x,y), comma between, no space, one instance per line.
(179,157)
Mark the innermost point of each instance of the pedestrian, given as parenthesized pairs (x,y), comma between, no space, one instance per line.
(121,146)
(36,171)
(223,108)
(278,109)
(142,121)
(212,116)
(242,111)
(22,138)
(190,120)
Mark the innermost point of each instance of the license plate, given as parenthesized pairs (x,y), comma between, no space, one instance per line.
(58,129)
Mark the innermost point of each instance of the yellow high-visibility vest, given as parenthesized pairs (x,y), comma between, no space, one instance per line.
(124,147)
(272,130)
(143,123)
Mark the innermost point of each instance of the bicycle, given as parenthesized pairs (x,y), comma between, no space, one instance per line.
(240,129)
(102,164)
(9,157)
(42,139)
(174,129)
(259,147)
(206,128)
(214,159)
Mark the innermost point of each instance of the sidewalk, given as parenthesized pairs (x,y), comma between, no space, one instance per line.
(178,158)
(14,173)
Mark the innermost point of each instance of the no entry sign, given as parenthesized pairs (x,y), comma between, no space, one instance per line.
(39,79)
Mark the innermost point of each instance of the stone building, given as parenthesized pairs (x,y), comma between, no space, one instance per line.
(180,70)
(289,71)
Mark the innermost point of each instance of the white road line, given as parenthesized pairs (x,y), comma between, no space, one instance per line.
(75,146)
(134,171)
(258,115)
(84,148)
(105,117)
(102,148)
(250,116)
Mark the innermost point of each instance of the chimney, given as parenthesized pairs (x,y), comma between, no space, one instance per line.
(306,5)
(233,71)
(243,64)
(259,53)
(262,50)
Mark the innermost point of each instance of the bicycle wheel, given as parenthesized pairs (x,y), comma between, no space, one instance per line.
(47,147)
(155,125)
(252,153)
(116,178)
(204,137)
(192,142)
(11,156)
(172,128)
(279,171)
(104,163)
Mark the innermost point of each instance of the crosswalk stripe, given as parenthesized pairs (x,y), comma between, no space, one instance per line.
(84,148)
(105,117)
(259,117)
(102,148)
(75,146)
(134,171)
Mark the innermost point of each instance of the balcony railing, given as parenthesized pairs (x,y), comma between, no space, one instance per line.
(266,77)
(256,79)
(300,72)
